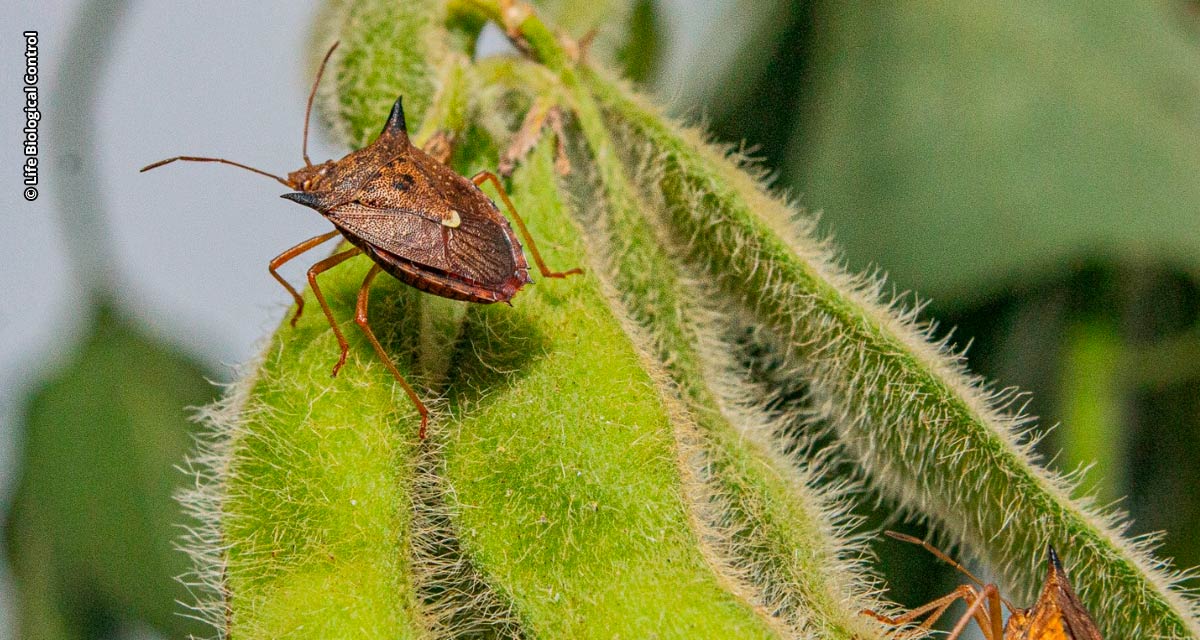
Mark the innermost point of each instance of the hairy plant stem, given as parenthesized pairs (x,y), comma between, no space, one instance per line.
(924,430)
(777,531)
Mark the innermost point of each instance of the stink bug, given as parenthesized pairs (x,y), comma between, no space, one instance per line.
(414,217)
(1057,615)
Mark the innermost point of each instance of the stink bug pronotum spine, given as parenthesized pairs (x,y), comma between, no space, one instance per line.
(1057,615)
(414,217)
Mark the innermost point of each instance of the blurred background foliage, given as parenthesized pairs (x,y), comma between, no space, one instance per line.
(91,532)
(1029,168)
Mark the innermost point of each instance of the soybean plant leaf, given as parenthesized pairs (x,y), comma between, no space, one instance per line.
(964,145)
(93,523)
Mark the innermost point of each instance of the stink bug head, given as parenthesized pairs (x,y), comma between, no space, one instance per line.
(1018,623)
(362,174)
(311,177)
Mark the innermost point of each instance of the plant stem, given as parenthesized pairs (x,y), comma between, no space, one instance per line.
(924,431)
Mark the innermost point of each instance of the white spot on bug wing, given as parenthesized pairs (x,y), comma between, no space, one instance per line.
(453,221)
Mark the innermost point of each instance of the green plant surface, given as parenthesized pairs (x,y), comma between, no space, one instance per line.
(777,530)
(774,530)
(317,498)
(562,461)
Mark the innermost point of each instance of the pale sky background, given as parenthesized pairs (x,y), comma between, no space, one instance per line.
(191,242)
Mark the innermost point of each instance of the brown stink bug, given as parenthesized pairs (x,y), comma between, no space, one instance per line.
(1057,615)
(414,217)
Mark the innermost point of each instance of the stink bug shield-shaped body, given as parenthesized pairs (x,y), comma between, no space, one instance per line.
(414,217)
(1057,615)
(417,219)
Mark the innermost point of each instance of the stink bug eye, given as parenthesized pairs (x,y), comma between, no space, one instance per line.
(416,218)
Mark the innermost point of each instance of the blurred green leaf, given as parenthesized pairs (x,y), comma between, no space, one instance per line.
(642,48)
(965,146)
(626,31)
(1163,440)
(93,523)
(1092,406)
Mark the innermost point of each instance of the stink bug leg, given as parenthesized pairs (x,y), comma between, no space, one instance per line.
(983,602)
(279,260)
(988,621)
(360,317)
(488,176)
(315,270)
(932,612)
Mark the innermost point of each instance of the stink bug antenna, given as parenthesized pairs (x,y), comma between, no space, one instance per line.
(221,160)
(944,558)
(312,94)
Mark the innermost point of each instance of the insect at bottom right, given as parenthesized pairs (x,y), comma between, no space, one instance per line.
(1056,615)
